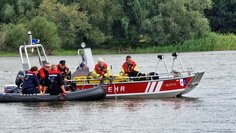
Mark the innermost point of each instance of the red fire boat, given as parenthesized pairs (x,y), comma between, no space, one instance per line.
(170,84)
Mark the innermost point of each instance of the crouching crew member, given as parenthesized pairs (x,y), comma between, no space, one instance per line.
(129,68)
(43,72)
(101,70)
(54,82)
(61,68)
(31,82)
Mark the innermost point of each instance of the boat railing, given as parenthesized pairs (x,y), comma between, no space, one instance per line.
(160,60)
(23,50)
(175,59)
(117,79)
(173,72)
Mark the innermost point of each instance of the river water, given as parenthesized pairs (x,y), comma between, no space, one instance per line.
(211,107)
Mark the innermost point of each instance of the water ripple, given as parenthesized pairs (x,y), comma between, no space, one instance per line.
(210,107)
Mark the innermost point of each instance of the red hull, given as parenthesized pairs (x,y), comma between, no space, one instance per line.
(155,88)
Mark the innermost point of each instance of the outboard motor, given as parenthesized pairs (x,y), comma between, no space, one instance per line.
(19,79)
(10,89)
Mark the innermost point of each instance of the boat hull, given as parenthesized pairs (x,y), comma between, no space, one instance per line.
(169,94)
(194,82)
(94,93)
(161,88)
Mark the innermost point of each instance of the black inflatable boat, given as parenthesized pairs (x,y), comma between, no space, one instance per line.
(94,93)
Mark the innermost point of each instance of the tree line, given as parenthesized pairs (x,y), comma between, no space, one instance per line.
(64,24)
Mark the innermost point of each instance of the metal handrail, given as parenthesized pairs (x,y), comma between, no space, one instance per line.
(175,59)
(160,57)
(23,50)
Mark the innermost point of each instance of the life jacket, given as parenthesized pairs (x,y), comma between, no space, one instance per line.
(42,73)
(53,72)
(128,68)
(30,73)
(54,81)
(64,71)
(101,70)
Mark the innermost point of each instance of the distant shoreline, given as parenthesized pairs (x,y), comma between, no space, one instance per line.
(107,52)
(212,42)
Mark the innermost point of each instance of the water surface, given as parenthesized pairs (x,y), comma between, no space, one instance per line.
(211,107)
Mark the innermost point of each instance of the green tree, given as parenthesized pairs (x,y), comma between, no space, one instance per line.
(102,15)
(111,23)
(2,40)
(3,3)
(15,35)
(24,6)
(222,16)
(69,20)
(46,31)
(135,13)
(9,14)
(19,11)
(26,10)
(68,2)
(177,21)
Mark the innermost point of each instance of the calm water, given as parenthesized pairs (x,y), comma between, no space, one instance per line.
(211,107)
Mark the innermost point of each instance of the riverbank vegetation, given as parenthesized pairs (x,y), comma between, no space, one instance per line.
(211,42)
(124,26)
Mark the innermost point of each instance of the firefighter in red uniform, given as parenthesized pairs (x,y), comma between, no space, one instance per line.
(43,72)
(129,68)
(101,70)
(61,68)
(54,82)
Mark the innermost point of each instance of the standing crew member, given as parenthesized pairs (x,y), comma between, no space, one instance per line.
(129,68)
(54,82)
(101,70)
(31,82)
(43,72)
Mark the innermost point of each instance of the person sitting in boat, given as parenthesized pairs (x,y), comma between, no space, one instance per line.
(43,72)
(129,67)
(54,82)
(63,69)
(101,70)
(82,70)
(82,66)
(31,82)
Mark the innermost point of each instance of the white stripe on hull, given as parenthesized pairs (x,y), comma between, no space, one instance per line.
(159,86)
(152,87)
(164,94)
(149,83)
